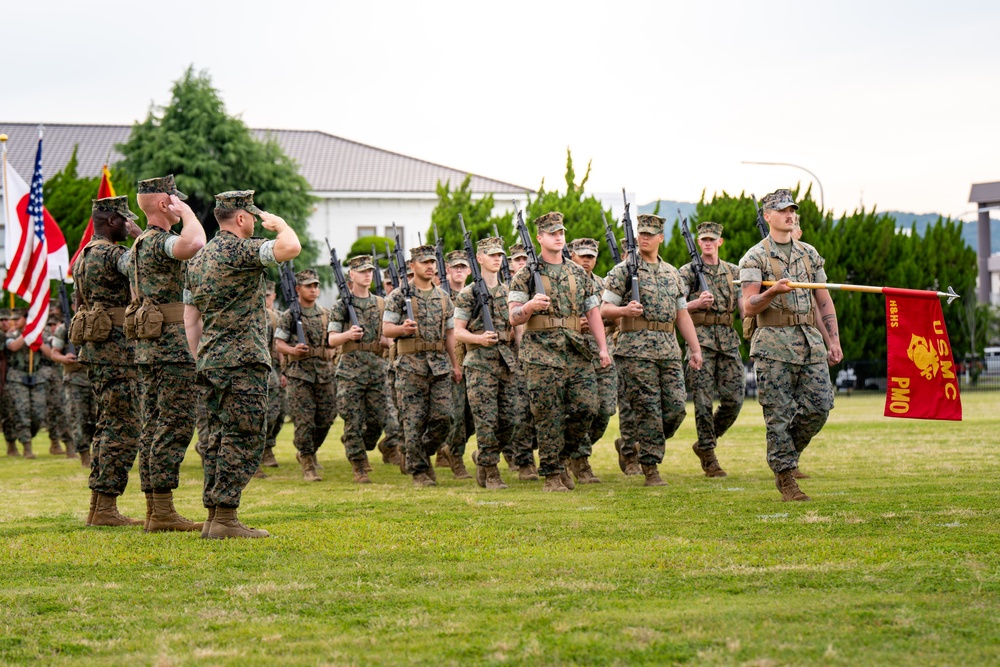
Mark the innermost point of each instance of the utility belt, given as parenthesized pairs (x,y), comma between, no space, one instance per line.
(547,322)
(502,337)
(72,367)
(641,323)
(777,317)
(354,346)
(324,353)
(144,319)
(704,319)
(413,345)
(93,324)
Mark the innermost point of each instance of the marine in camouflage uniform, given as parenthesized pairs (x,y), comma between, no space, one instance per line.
(490,365)
(55,409)
(360,370)
(391,445)
(584,251)
(562,385)
(425,364)
(626,444)
(647,351)
(520,452)
(165,362)
(26,385)
(793,380)
(312,386)
(6,418)
(80,401)
(224,290)
(275,382)
(101,275)
(463,426)
(722,370)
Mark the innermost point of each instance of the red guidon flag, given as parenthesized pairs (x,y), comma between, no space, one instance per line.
(104,190)
(922,379)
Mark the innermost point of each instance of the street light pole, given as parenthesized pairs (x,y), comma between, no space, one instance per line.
(822,205)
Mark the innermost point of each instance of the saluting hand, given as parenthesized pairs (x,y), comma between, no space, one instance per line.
(132,229)
(179,207)
(355,333)
(271,222)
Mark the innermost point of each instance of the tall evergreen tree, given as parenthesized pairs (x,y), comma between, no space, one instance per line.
(478,216)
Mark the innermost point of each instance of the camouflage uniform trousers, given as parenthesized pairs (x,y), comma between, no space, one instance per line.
(313,408)
(463,425)
(362,407)
(55,410)
(237,412)
(495,402)
(607,395)
(393,429)
(81,408)
(201,418)
(275,407)
(28,406)
(723,374)
(425,404)
(7,415)
(797,400)
(168,419)
(563,403)
(520,448)
(654,388)
(116,436)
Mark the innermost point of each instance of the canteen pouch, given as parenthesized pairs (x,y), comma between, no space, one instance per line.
(97,324)
(76,327)
(148,320)
(129,326)
(749,326)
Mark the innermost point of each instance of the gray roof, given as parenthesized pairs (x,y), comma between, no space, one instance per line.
(985,193)
(328,163)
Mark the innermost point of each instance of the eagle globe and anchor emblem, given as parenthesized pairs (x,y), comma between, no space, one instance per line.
(924,356)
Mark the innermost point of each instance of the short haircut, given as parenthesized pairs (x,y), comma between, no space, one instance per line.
(225,214)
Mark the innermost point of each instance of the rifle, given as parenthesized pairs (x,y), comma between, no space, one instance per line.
(393,269)
(761,223)
(479,288)
(404,284)
(632,248)
(345,294)
(377,278)
(697,263)
(529,248)
(442,271)
(292,299)
(566,254)
(67,317)
(504,265)
(609,236)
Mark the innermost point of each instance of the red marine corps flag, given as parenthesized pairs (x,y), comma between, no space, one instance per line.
(922,383)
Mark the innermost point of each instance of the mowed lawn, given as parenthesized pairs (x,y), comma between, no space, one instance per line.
(895,561)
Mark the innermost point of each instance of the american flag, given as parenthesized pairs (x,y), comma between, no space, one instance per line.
(28,276)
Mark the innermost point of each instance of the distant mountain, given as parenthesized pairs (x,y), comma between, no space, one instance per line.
(668,210)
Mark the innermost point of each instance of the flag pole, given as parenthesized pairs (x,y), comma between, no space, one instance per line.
(6,201)
(951,294)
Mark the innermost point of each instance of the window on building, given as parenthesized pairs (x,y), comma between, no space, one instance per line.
(366,231)
(399,230)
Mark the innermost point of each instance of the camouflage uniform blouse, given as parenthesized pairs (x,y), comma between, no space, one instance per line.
(360,366)
(314,325)
(73,373)
(661,295)
(161,277)
(435,314)
(101,276)
(800,344)
(225,281)
(718,337)
(20,363)
(488,359)
(550,347)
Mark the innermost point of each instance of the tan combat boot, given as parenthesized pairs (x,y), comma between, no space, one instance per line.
(385,451)
(422,479)
(165,518)
(443,458)
(93,508)
(627,458)
(528,473)
(360,474)
(70,450)
(56,449)
(554,483)
(12,449)
(106,513)
(584,473)
(225,524)
(367,464)
(511,466)
(260,474)
(149,511)
(458,468)
(798,474)
(268,460)
(709,463)
(652,474)
(28,454)
(565,476)
(493,480)
(789,487)
(308,463)
(480,470)
(206,527)
(85,459)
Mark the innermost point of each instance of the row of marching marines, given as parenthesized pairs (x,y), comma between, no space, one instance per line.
(528,350)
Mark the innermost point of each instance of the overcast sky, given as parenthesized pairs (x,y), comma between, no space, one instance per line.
(892,102)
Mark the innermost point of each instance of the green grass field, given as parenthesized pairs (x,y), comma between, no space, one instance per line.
(895,561)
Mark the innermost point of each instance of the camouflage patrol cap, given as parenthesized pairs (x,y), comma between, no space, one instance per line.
(15,313)
(386,276)
(52,319)
(270,287)
(360,263)
(649,223)
(409,270)
(490,246)
(709,230)
(164,184)
(4,313)
(235,200)
(422,253)
(778,201)
(307,277)
(550,222)
(584,246)
(517,250)
(456,258)
(117,205)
